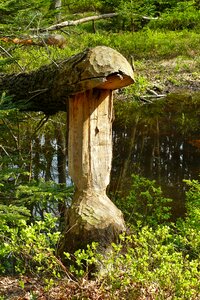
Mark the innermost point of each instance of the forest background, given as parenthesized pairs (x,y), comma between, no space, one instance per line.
(159,258)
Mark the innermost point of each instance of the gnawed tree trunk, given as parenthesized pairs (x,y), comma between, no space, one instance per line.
(85,81)
(93,216)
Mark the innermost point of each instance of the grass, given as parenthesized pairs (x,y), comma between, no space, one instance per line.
(146,44)
(163,58)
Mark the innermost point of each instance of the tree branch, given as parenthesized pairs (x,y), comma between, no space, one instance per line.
(87,19)
(77,22)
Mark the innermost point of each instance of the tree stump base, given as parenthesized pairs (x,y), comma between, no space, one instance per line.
(92,218)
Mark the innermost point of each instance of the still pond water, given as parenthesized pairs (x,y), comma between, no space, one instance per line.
(160,141)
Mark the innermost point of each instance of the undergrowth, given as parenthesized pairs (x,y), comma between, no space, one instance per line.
(156,258)
(145,44)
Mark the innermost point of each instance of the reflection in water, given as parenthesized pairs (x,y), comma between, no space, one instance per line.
(159,141)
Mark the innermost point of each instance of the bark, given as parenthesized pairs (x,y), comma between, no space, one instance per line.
(61,155)
(48,88)
(56,40)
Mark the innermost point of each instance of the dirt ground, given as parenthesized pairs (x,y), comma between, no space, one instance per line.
(29,288)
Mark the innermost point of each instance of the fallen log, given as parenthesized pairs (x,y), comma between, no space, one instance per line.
(57,40)
(63,24)
(79,21)
(48,88)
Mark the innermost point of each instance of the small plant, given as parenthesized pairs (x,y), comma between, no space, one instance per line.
(145,204)
(139,88)
(148,264)
(183,15)
(29,248)
(83,261)
(189,239)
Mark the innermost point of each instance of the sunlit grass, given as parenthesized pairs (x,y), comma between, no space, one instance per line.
(146,44)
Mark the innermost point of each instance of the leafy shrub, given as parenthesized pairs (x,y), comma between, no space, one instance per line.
(155,260)
(147,263)
(145,204)
(184,15)
(82,262)
(189,228)
(28,226)
(43,197)
(29,248)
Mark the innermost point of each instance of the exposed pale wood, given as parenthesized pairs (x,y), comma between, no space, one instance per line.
(92,217)
(90,139)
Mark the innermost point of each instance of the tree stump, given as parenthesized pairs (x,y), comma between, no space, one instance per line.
(93,216)
(85,83)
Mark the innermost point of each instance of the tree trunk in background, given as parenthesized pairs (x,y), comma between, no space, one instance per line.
(48,154)
(61,155)
(127,161)
(61,165)
(57,5)
(36,158)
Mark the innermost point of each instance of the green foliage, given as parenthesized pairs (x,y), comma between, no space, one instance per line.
(132,13)
(158,258)
(189,238)
(148,263)
(39,197)
(158,262)
(155,259)
(184,15)
(13,214)
(139,87)
(43,196)
(110,5)
(28,230)
(81,6)
(29,248)
(83,261)
(7,107)
(193,203)
(145,204)
(18,16)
